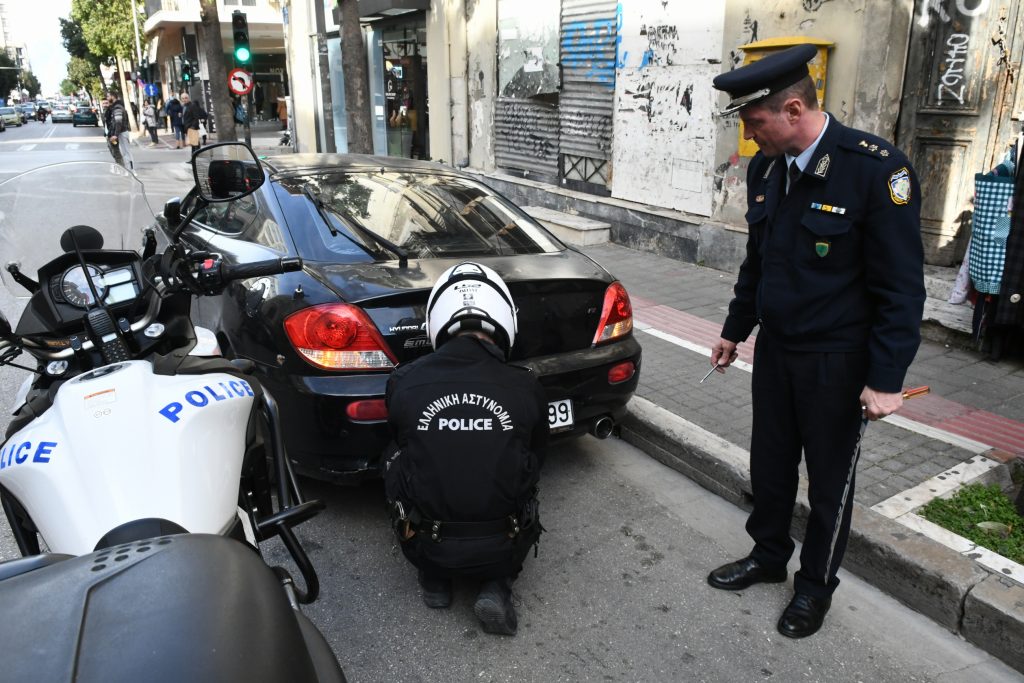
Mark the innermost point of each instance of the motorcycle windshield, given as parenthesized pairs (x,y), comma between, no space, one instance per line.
(36,208)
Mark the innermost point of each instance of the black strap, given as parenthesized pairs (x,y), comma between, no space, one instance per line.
(438,530)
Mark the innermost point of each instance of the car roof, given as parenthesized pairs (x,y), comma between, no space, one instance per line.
(289,165)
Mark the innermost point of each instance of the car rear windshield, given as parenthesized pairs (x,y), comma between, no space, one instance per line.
(427,215)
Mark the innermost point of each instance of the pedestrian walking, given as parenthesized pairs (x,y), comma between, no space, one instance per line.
(173,108)
(192,116)
(834,278)
(118,130)
(149,115)
(469,435)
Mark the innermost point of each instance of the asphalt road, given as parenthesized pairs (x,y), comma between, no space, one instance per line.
(616,593)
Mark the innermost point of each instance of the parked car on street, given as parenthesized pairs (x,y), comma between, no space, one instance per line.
(11,116)
(85,115)
(374,233)
(61,114)
(27,111)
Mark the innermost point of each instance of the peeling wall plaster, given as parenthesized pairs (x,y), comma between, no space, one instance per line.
(664,148)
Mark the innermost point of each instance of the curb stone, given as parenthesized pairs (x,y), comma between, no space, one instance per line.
(925,575)
(994,619)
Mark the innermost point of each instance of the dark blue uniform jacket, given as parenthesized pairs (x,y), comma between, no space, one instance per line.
(836,264)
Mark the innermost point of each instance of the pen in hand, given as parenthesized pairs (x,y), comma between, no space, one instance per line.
(717,365)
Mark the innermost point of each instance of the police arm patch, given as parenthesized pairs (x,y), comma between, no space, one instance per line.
(899,186)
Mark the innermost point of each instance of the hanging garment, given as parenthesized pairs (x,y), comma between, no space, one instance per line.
(1010,308)
(989,229)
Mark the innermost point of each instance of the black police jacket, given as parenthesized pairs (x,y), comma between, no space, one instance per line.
(837,263)
(470,433)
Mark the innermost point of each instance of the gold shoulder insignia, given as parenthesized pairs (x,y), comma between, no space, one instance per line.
(863,143)
(884,152)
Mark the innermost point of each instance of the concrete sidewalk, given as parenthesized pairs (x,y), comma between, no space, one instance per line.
(967,429)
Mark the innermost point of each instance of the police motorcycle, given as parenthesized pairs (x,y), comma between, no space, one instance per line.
(149,472)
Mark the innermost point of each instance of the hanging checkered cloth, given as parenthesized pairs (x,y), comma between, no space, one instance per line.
(990,227)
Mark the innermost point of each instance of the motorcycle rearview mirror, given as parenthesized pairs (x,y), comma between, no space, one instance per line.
(172,212)
(226,171)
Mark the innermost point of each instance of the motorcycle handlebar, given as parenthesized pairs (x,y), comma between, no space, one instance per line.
(244,271)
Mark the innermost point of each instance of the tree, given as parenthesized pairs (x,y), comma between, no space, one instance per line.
(67,87)
(8,75)
(30,83)
(83,76)
(223,111)
(105,26)
(357,88)
(74,41)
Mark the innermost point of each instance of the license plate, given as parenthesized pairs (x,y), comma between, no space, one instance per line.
(560,414)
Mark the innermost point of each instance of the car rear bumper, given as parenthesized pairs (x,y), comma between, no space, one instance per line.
(322,442)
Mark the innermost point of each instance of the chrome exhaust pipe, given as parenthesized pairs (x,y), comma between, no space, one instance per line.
(603,427)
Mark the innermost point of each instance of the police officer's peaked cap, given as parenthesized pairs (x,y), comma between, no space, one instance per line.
(756,81)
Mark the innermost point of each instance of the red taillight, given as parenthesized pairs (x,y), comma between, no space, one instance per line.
(373,410)
(621,372)
(616,315)
(338,337)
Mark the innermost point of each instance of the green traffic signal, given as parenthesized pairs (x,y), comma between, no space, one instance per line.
(240,32)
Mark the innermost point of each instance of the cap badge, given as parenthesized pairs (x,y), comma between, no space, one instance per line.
(899,186)
(821,170)
(821,249)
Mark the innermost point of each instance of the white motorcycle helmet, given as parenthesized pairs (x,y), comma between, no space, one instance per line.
(471,296)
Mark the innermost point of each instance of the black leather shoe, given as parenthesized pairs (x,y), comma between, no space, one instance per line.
(803,616)
(494,608)
(743,573)
(437,593)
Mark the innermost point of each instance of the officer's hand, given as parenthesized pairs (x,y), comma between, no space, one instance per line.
(723,353)
(878,404)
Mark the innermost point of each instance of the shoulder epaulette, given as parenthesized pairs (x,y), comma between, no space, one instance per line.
(869,145)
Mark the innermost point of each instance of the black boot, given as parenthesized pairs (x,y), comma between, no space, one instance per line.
(437,592)
(494,608)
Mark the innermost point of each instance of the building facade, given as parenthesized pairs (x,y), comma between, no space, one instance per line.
(605,107)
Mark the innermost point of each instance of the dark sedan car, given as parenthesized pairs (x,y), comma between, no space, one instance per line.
(84,115)
(374,234)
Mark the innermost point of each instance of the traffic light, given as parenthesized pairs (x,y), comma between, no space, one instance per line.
(240,30)
(186,71)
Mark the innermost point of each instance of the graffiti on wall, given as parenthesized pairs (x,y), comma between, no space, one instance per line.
(527,47)
(583,49)
(940,9)
(961,30)
(525,132)
(663,116)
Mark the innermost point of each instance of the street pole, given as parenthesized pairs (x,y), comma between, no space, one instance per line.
(138,53)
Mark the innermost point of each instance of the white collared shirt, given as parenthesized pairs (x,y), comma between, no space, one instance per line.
(804,157)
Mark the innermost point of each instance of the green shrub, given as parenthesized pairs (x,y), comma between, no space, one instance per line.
(976,504)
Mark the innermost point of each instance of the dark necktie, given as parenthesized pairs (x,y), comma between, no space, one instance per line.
(793,173)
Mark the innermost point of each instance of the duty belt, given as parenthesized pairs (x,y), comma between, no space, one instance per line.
(438,530)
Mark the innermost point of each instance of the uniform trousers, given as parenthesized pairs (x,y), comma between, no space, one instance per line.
(809,402)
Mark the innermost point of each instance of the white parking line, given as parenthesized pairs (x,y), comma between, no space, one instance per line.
(26,148)
(71,146)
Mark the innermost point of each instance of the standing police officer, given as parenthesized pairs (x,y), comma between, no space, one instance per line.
(834,277)
(469,438)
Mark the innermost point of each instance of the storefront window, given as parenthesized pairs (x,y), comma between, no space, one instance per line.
(404,47)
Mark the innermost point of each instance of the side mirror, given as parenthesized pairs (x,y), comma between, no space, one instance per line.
(172,212)
(226,171)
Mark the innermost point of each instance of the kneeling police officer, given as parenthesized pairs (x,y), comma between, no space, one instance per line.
(469,433)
